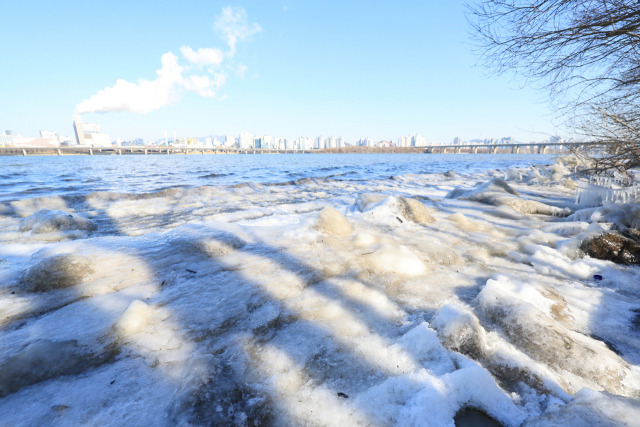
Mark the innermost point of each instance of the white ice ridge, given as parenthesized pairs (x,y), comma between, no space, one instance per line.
(391,302)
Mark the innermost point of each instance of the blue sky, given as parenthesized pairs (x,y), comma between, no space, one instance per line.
(377,68)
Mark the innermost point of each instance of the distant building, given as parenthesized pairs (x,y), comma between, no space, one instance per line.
(229,140)
(245,140)
(89,133)
(6,139)
(340,142)
(258,142)
(319,142)
(456,140)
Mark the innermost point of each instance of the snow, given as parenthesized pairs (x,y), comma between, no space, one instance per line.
(376,302)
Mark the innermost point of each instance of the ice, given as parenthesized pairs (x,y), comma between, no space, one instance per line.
(396,259)
(331,221)
(506,302)
(470,226)
(136,317)
(46,359)
(459,330)
(53,225)
(513,174)
(292,305)
(625,215)
(408,209)
(507,213)
(590,408)
(498,192)
(55,272)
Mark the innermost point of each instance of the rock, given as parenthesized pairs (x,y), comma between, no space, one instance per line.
(50,221)
(55,272)
(611,246)
(331,221)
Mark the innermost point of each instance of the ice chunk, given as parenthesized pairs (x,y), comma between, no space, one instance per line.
(331,221)
(507,213)
(497,192)
(438,253)
(413,210)
(135,318)
(396,259)
(622,214)
(54,272)
(49,221)
(365,200)
(566,229)
(590,408)
(459,330)
(496,185)
(559,169)
(469,226)
(544,340)
(364,239)
(513,174)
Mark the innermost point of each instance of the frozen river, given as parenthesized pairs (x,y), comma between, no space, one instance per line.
(308,290)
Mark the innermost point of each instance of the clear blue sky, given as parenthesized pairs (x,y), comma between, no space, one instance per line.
(377,68)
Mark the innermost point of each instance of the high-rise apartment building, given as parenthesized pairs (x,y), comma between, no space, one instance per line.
(456,140)
(340,142)
(245,140)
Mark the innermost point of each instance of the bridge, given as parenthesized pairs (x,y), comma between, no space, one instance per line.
(111,151)
(536,148)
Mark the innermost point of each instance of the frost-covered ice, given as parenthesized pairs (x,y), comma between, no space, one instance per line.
(377,302)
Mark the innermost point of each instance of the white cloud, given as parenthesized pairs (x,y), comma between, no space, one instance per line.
(203,56)
(234,26)
(204,85)
(201,78)
(285,8)
(241,71)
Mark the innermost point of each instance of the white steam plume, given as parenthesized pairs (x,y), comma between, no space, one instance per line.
(203,77)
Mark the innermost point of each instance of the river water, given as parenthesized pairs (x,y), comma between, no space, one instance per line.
(33,176)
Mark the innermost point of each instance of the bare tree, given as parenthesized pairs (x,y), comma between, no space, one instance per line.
(584,54)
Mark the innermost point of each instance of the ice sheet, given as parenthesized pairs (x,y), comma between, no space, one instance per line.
(376,302)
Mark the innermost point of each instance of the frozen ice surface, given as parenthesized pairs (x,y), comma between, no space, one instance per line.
(316,302)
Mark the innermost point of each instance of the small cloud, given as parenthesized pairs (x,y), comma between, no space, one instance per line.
(234,26)
(255,76)
(285,8)
(203,56)
(241,70)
